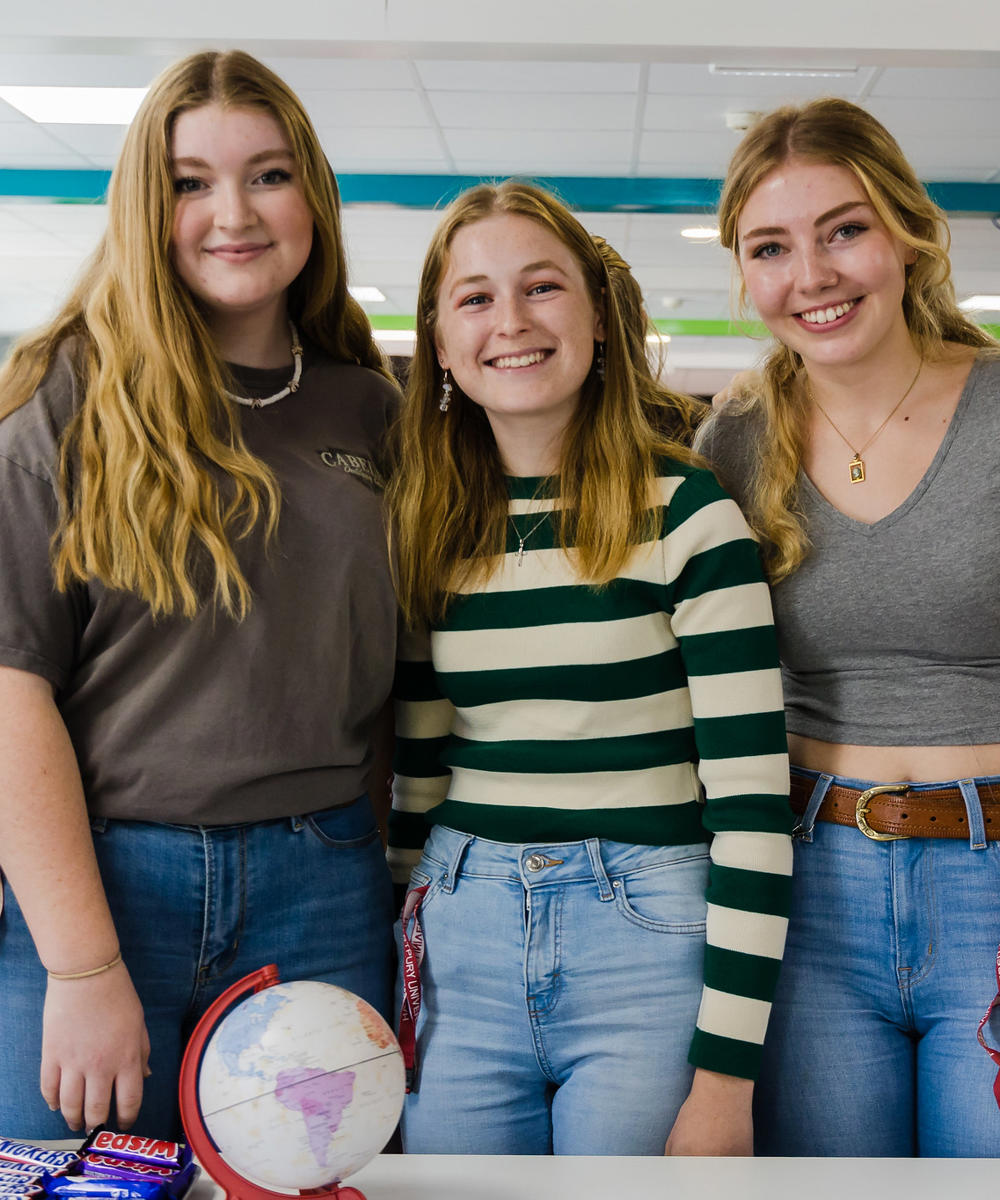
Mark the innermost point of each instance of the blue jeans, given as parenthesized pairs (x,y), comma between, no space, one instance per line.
(889,967)
(561,984)
(196,909)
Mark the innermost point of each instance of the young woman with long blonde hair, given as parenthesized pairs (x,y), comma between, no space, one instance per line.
(587,694)
(196,613)
(865,456)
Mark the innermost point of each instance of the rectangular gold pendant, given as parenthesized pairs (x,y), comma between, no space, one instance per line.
(857,469)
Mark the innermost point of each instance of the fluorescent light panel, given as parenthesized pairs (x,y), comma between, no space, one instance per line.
(75,105)
(395,337)
(981,303)
(700,233)
(785,72)
(365,294)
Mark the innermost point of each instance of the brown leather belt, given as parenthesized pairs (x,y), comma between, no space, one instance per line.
(892,811)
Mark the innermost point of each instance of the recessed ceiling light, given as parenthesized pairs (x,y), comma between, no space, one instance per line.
(785,72)
(976,303)
(400,338)
(75,105)
(671,301)
(366,295)
(657,339)
(700,233)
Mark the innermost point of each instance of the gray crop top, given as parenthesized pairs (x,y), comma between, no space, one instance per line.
(889,633)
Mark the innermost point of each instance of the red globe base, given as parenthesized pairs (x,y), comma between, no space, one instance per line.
(232,1183)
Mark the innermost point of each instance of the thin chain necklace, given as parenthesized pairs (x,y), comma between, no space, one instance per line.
(537,525)
(857,463)
(291,386)
(521,540)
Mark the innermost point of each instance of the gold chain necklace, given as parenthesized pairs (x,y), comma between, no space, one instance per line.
(857,463)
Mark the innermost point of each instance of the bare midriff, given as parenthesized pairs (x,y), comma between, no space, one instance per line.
(892,764)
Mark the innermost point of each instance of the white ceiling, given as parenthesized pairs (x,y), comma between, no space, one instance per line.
(493,107)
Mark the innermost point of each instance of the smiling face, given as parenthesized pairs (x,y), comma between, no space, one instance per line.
(242,229)
(823,271)
(516,324)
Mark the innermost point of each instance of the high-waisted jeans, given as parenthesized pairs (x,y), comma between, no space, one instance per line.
(561,985)
(888,968)
(197,908)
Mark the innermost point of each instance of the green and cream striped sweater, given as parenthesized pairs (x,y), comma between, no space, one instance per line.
(648,711)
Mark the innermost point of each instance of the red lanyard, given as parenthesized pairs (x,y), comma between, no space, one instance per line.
(994,1054)
(413,954)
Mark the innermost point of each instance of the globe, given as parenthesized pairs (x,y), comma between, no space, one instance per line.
(299,1086)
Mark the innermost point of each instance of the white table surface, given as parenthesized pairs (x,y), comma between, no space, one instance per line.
(494,1177)
(461,1177)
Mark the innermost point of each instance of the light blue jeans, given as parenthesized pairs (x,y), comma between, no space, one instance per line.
(561,985)
(889,966)
(196,909)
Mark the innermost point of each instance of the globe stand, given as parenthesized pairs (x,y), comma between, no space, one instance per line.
(233,1184)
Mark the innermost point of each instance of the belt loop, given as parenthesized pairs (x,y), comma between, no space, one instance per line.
(297,824)
(974,811)
(803,832)
(604,889)
(454,864)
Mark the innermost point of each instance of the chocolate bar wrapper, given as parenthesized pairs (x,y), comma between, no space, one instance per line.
(104,1166)
(105,1189)
(137,1149)
(36,1156)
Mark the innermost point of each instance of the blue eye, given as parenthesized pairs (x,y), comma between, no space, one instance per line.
(187,184)
(275,176)
(851,230)
(767,250)
(478,299)
(542,288)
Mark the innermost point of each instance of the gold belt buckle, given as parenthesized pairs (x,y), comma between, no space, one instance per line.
(861,811)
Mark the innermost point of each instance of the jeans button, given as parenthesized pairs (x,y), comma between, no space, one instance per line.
(535,862)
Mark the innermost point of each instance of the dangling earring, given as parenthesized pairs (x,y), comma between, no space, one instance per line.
(445,392)
(601,362)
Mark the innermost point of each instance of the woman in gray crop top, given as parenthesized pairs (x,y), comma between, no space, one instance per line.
(197,621)
(866,454)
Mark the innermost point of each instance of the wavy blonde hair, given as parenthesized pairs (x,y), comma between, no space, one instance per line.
(834,131)
(156,482)
(448,497)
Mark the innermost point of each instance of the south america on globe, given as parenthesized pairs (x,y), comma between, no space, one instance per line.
(300,1085)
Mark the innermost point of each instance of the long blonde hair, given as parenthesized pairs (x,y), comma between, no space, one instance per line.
(448,498)
(156,482)
(834,131)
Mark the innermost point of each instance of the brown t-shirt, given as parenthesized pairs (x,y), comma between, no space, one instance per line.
(210,721)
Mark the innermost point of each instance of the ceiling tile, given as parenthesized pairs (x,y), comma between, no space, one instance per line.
(365,109)
(947,83)
(378,145)
(342,74)
(541,150)
(533,110)
(528,76)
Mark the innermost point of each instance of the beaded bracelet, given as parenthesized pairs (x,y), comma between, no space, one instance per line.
(86,974)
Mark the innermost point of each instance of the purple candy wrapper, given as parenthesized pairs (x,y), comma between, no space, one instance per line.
(105,1167)
(137,1149)
(106,1189)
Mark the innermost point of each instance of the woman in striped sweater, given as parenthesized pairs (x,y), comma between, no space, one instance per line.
(591,781)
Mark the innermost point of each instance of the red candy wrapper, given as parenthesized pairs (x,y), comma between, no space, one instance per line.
(137,1149)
